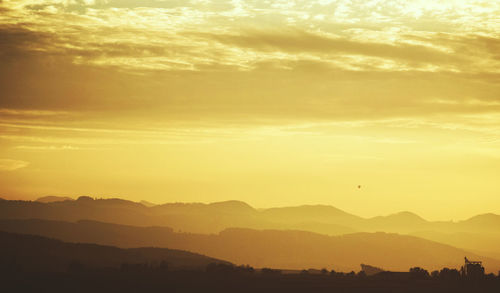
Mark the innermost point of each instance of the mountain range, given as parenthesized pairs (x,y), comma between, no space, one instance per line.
(215,217)
(36,253)
(478,235)
(265,248)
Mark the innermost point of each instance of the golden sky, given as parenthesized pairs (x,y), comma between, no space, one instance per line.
(271,102)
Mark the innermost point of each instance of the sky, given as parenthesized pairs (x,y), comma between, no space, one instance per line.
(274,103)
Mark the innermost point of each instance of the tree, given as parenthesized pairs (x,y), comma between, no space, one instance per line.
(220,268)
(270,272)
(163,267)
(351,275)
(418,273)
(75,266)
(361,275)
(447,274)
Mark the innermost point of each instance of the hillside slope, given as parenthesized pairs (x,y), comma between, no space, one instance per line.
(37,253)
(479,233)
(266,248)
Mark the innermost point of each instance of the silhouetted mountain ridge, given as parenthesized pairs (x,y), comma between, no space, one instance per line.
(232,206)
(147,203)
(52,198)
(265,248)
(215,217)
(483,219)
(199,217)
(406,215)
(318,213)
(37,253)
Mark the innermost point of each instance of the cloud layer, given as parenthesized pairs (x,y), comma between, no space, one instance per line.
(331,82)
(214,58)
(11,165)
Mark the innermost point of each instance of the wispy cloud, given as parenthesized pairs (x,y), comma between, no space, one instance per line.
(92,68)
(52,148)
(11,165)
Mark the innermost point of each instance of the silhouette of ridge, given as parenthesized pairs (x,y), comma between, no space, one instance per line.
(480,234)
(147,203)
(407,215)
(232,204)
(47,199)
(264,248)
(38,253)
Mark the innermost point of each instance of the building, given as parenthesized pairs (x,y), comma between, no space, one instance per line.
(472,269)
(371,270)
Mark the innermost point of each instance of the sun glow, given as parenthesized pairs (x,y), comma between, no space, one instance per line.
(270,102)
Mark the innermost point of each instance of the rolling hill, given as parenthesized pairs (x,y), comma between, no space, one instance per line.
(36,253)
(216,217)
(266,248)
(51,198)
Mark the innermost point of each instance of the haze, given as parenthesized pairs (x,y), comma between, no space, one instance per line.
(274,103)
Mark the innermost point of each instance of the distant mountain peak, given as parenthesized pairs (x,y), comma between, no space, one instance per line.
(407,216)
(108,201)
(232,204)
(51,198)
(488,217)
(147,203)
(316,213)
(371,270)
(311,208)
(84,198)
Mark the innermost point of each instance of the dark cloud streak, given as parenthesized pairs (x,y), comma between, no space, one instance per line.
(39,73)
(301,42)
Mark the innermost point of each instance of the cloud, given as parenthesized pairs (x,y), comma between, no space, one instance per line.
(297,41)
(51,148)
(31,113)
(11,165)
(184,63)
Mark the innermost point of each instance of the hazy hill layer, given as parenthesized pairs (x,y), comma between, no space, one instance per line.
(483,243)
(480,233)
(147,203)
(190,217)
(47,199)
(267,248)
(36,253)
